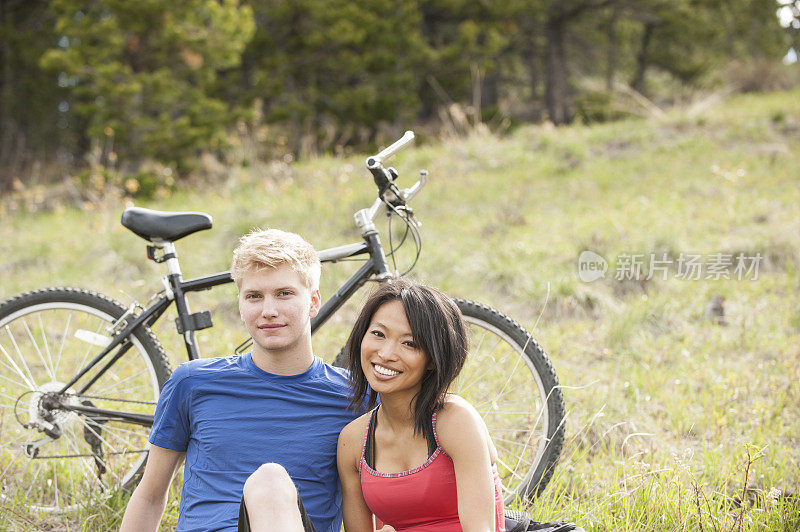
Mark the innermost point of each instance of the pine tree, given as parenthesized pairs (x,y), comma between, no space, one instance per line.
(33,126)
(143,71)
(332,71)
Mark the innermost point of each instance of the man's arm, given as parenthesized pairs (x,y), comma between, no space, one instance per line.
(147,503)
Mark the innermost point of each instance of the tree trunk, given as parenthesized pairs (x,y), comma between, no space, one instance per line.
(477,90)
(531,51)
(7,124)
(556,90)
(611,56)
(491,90)
(639,82)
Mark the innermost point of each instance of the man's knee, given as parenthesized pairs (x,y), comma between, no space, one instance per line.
(270,484)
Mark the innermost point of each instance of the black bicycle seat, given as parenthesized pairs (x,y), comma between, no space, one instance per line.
(163,225)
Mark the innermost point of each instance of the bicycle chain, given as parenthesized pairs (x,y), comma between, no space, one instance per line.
(80,397)
(114,399)
(84,455)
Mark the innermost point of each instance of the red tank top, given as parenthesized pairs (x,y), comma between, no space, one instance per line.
(422,499)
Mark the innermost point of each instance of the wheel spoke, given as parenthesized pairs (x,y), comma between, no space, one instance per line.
(507,451)
(21,356)
(12,399)
(98,436)
(496,429)
(82,460)
(510,376)
(29,381)
(110,431)
(493,400)
(50,367)
(71,482)
(89,348)
(33,482)
(15,383)
(513,442)
(64,337)
(114,386)
(55,483)
(126,431)
(502,381)
(510,470)
(490,368)
(40,353)
(13,460)
(476,349)
(109,470)
(10,443)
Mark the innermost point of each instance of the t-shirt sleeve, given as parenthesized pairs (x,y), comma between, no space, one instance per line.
(171,421)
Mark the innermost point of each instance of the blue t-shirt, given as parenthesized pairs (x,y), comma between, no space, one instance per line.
(229,417)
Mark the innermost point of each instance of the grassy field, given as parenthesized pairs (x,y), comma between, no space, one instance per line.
(675,422)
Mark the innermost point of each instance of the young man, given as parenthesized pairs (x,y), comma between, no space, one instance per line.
(255,421)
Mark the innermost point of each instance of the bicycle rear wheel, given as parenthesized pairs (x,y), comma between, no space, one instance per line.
(511,382)
(46,337)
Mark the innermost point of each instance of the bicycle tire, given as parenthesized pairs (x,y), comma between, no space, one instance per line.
(46,336)
(526,418)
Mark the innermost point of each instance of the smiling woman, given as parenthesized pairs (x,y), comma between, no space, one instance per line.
(391,360)
(427,456)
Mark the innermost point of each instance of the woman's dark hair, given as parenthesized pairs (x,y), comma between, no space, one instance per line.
(438,329)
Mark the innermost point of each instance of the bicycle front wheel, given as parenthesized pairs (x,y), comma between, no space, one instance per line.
(509,379)
(52,458)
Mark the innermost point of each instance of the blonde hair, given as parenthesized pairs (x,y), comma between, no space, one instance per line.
(271,248)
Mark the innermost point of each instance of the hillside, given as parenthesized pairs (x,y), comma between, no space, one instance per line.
(664,406)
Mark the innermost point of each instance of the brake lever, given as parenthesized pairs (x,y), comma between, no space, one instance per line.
(414,189)
(413,219)
(393,196)
(408,214)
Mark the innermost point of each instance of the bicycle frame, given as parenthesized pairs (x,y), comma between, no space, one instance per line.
(176,288)
(375,267)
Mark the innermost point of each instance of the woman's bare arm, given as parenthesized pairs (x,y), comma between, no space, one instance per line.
(357,516)
(463,436)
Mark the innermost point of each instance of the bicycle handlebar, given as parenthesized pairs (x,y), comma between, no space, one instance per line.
(388,192)
(384,179)
(402,142)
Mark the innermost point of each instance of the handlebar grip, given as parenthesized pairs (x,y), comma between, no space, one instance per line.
(390,150)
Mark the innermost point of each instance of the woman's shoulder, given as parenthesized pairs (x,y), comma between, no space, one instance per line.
(460,429)
(456,407)
(351,443)
(356,429)
(457,413)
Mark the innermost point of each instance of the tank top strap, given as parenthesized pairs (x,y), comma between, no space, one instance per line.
(433,430)
(368,449)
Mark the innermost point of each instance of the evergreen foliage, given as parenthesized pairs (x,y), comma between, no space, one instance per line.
(142,71)
(163,80)
(333,70)
(29,96)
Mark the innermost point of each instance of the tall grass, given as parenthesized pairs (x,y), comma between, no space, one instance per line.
(675,422)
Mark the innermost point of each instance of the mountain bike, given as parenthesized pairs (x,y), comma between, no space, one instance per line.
(80,374)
